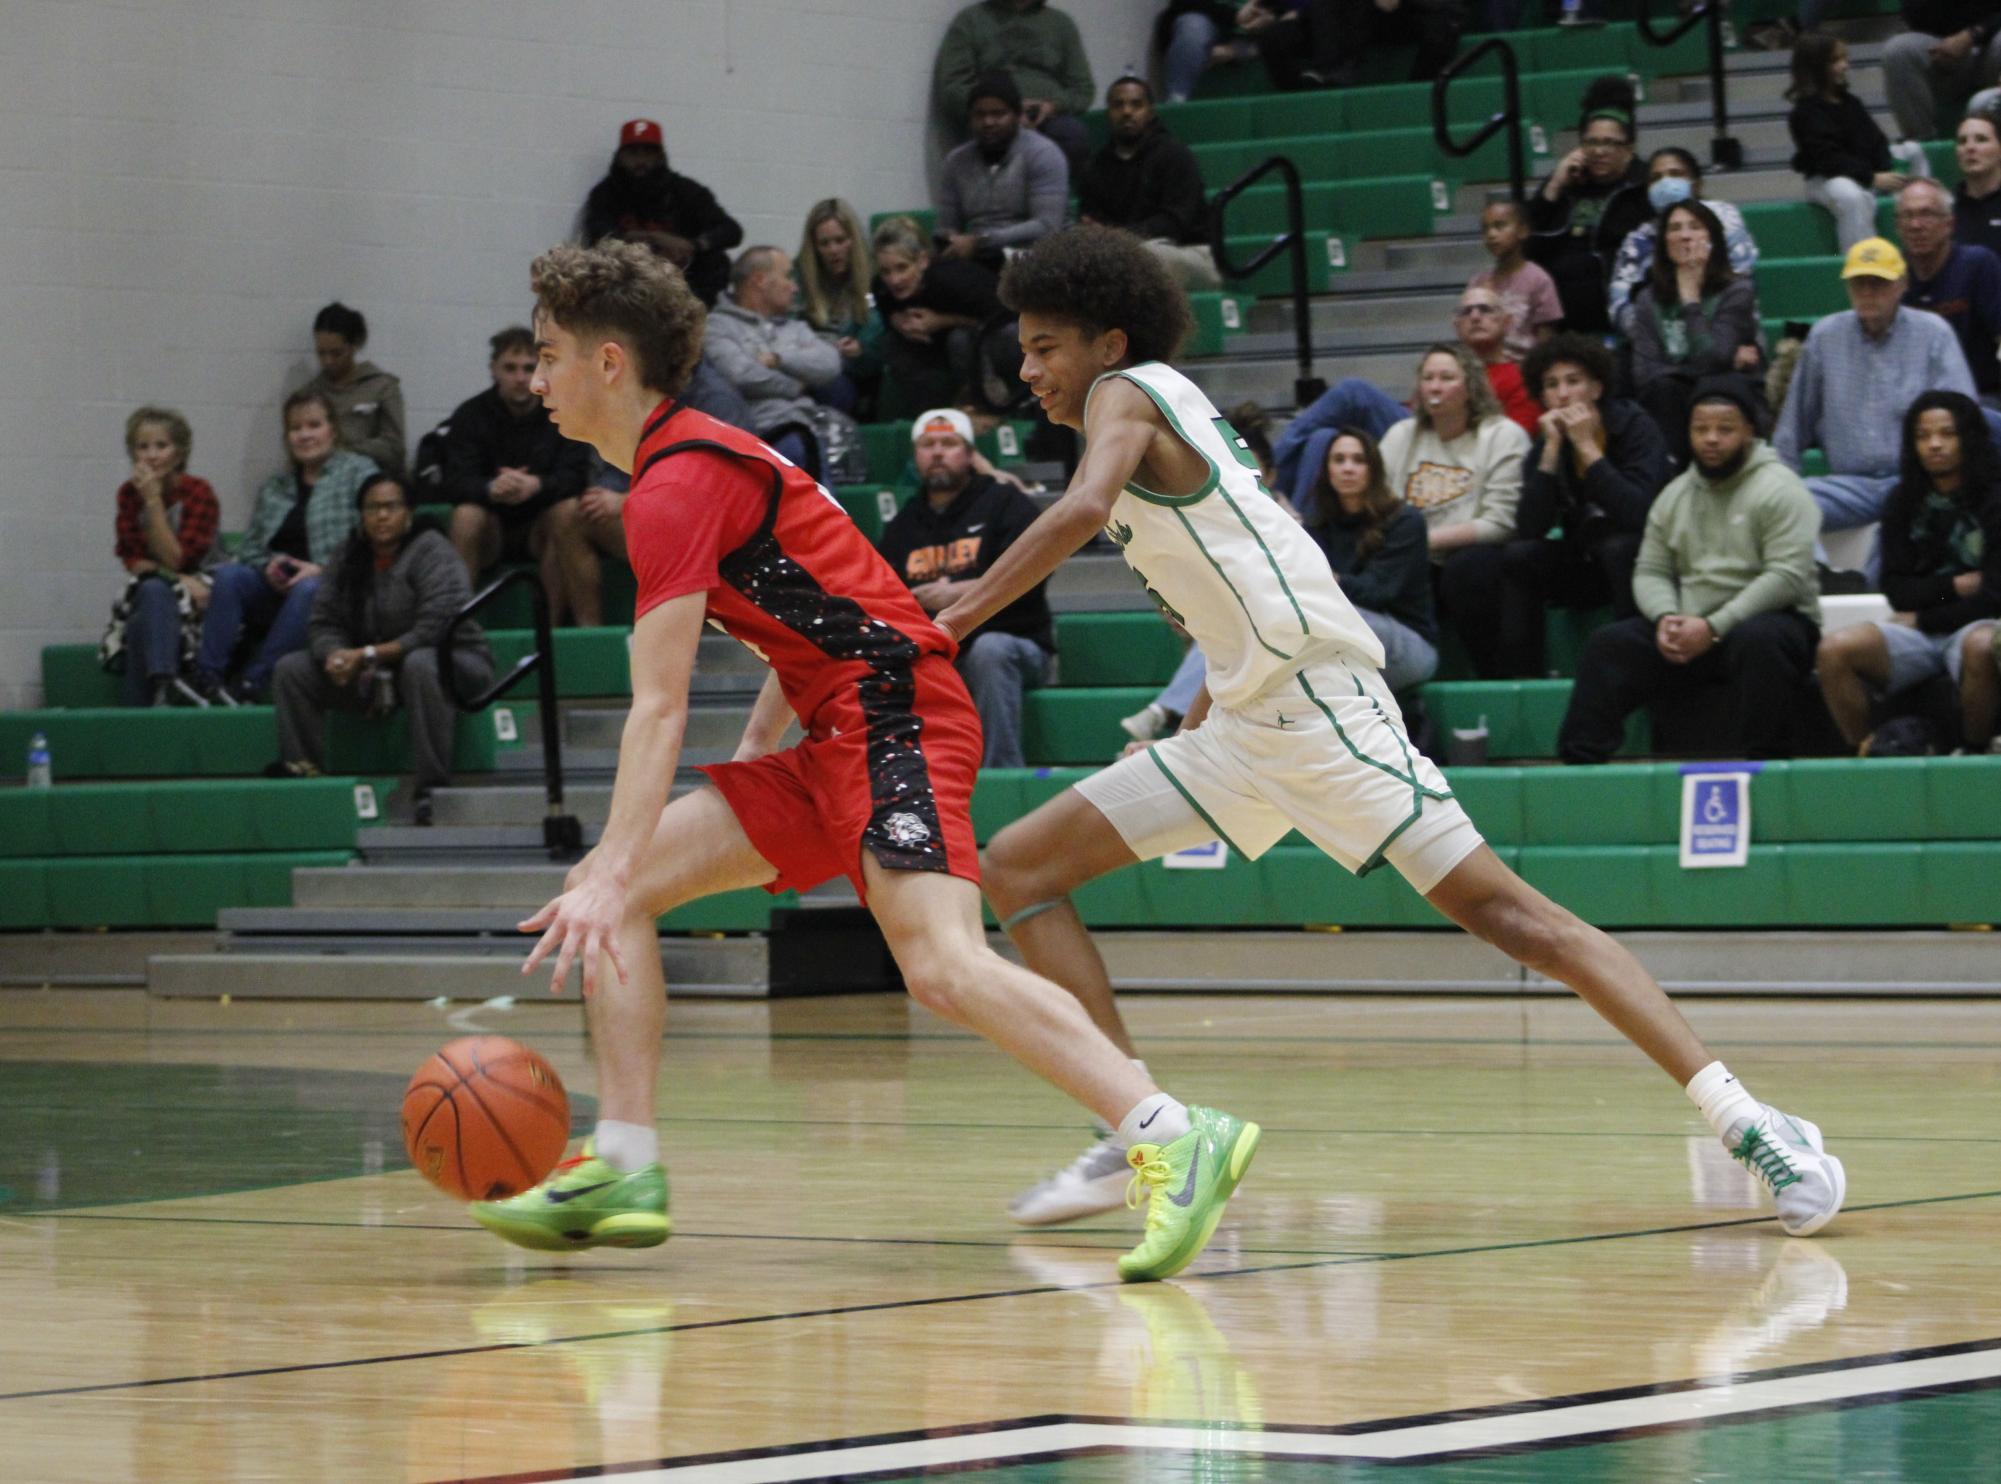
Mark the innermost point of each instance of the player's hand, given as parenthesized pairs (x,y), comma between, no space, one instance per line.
(583,921)
(946,622)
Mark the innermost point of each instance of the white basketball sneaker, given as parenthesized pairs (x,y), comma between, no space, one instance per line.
(1788,1157)
(1093,1182)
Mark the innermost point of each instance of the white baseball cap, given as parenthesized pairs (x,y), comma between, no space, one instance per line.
(943,420)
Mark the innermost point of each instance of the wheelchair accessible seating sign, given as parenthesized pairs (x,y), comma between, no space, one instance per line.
(1716,815)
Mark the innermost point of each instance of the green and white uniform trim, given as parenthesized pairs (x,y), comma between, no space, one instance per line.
(1250,586)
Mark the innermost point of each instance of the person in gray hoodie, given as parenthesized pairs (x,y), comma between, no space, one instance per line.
(773,358)
(373,641)
(367,401)
(1725,589)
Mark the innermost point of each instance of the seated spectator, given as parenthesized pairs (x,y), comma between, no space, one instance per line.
(1040,49)
(375,628)
(640,194)
(367,401)
(1005,188)
(166,526)
(1526,292)
(934,313)
(1482,323)
(1590,477)
(1941,573)
(1694,319)
(1725,590)
(1457,459)
(1953,48)
(1193,36)
(1976,203)
(834,269)
(1673,175)
(1837,146)
(941,542)
(297,525)
(773,358)
(1376,545)
(1958,283)
(1146,181)
(1592,200)
(513,481)
(1858,373)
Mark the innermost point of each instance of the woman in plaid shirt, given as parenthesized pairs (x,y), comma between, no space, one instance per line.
(297,526)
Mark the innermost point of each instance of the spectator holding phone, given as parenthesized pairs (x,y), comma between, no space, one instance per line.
(301,517)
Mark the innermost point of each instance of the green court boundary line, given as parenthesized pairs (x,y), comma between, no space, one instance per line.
(842,1310)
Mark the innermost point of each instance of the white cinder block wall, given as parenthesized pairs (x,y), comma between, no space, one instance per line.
(184,182)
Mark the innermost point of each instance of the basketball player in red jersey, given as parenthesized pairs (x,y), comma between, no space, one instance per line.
(724,531)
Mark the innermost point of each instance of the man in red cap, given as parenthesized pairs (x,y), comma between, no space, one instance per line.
(682,218)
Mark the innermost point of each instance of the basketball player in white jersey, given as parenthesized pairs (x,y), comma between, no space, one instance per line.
(1296,729)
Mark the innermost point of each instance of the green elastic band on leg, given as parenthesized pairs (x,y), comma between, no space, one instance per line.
(1034,909)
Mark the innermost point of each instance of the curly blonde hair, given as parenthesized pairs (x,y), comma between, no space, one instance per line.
(624,291)
(828,300)
(178,432)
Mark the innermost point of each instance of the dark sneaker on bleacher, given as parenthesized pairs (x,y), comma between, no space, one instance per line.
(210,690)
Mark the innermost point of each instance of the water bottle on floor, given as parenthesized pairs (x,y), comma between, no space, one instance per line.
(41,768)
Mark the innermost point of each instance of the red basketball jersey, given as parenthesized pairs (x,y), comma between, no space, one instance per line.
(714,510)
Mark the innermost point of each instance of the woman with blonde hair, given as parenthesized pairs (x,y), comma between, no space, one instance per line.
(166,525)
(834,266)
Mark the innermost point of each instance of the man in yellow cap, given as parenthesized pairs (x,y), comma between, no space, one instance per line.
(1860,371)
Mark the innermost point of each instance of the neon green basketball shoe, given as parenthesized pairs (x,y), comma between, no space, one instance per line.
(1186,1185)
(583,1203)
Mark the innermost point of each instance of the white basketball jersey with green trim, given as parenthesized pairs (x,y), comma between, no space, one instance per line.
(1226,563)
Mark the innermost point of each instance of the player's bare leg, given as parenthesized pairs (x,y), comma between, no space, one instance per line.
(614,1194)
(1188,1160)
(1495,905)
(1029,870)
(932,923)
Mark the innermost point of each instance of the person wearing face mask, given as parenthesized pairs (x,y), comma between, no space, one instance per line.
(301,517)
(1376,545)
(1673,176)
(1592,200)
(1958,283)
(1694,319)
(1724,588)
(1590,477)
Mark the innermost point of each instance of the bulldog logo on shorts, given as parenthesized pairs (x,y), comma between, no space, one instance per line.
(906,829)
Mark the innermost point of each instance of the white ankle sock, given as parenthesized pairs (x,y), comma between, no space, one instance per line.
(1105,1130)
(1156,1120)
(626,1146)
(1721,1097)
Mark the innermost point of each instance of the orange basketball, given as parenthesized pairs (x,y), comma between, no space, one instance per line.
(486,1118)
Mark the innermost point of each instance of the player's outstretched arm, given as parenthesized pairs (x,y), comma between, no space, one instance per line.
(1119,427)
(585,919)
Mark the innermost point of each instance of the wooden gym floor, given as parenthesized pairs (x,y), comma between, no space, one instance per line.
(1483,1241)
